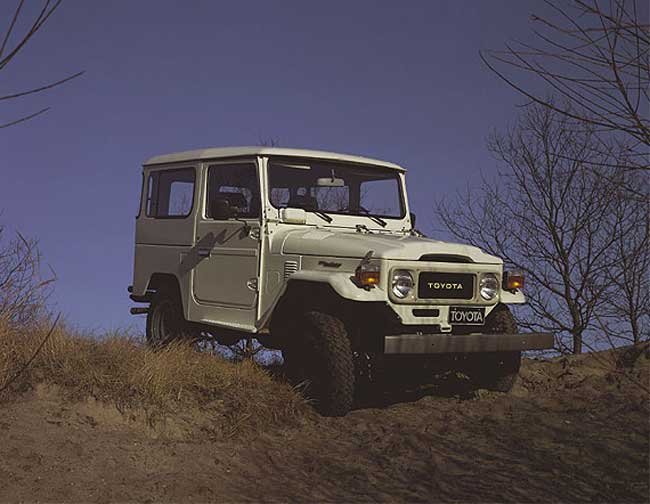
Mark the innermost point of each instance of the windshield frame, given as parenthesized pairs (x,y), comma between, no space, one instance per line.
(398,176)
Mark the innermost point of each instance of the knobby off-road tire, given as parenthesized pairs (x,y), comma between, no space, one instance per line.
(318,354)
(165,320)
(498,371)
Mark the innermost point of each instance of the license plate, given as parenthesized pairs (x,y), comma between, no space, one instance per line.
(464,315)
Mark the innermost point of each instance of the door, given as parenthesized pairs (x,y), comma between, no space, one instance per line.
(228,250)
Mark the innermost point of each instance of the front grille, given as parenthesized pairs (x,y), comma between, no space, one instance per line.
(290,267)
(437,285)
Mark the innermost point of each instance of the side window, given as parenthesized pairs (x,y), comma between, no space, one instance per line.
(142,196)
(238,184)
(170,193)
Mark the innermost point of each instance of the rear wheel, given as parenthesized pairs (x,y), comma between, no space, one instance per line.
(318,353)
(165,320)
(498,371)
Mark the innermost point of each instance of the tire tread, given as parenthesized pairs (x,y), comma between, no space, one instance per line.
(327,340)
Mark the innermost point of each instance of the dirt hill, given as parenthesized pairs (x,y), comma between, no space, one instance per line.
(102,422)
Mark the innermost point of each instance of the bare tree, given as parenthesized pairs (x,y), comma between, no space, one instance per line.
(268,142)
(23,288)
(11,45)
(594,55)
(547,215)
(626,315)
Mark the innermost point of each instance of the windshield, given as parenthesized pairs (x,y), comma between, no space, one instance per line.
(336,188)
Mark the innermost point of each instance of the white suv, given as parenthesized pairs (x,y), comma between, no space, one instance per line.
(315,253)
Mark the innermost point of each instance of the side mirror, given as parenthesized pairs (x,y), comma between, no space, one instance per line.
(412,216)
(293,216)
(220,209)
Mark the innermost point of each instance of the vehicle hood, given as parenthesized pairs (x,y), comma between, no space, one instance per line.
(328,243)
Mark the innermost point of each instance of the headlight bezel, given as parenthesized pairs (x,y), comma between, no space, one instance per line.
(488,286)
(408,285)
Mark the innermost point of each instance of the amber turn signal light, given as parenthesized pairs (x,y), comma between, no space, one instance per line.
(367,273)
(367,277)
(515,281)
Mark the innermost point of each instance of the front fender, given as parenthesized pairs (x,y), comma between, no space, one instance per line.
(509,297)
(341,283)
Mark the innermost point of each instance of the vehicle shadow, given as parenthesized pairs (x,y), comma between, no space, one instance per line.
(403,388)
(412,389)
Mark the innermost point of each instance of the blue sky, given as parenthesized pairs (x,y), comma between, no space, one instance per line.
(401,81)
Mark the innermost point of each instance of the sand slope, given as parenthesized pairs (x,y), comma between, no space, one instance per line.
(574,429)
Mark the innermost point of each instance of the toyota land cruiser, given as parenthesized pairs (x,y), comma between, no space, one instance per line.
(316,254)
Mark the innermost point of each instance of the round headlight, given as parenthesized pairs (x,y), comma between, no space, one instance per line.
(402,283)
(489,286)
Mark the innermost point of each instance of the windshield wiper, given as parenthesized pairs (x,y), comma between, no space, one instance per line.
(374,218)
(378,220)
(322,215)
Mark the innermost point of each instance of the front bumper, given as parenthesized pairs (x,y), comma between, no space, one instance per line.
(465,343)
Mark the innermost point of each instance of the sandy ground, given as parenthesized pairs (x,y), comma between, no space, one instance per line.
(569,432)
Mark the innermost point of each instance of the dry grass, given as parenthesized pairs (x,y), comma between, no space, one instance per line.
(122,371)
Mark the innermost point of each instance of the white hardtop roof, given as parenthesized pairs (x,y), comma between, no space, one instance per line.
(232,152)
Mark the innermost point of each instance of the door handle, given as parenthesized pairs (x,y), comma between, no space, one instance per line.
(204,252)
(254,233)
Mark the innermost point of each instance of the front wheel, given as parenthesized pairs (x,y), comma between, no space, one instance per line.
(318,353)
(498,371)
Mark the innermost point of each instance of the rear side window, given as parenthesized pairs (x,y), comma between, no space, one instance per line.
(170,193)
(238,184)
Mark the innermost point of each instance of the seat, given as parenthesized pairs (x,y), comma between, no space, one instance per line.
(235,200)
(303,201)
